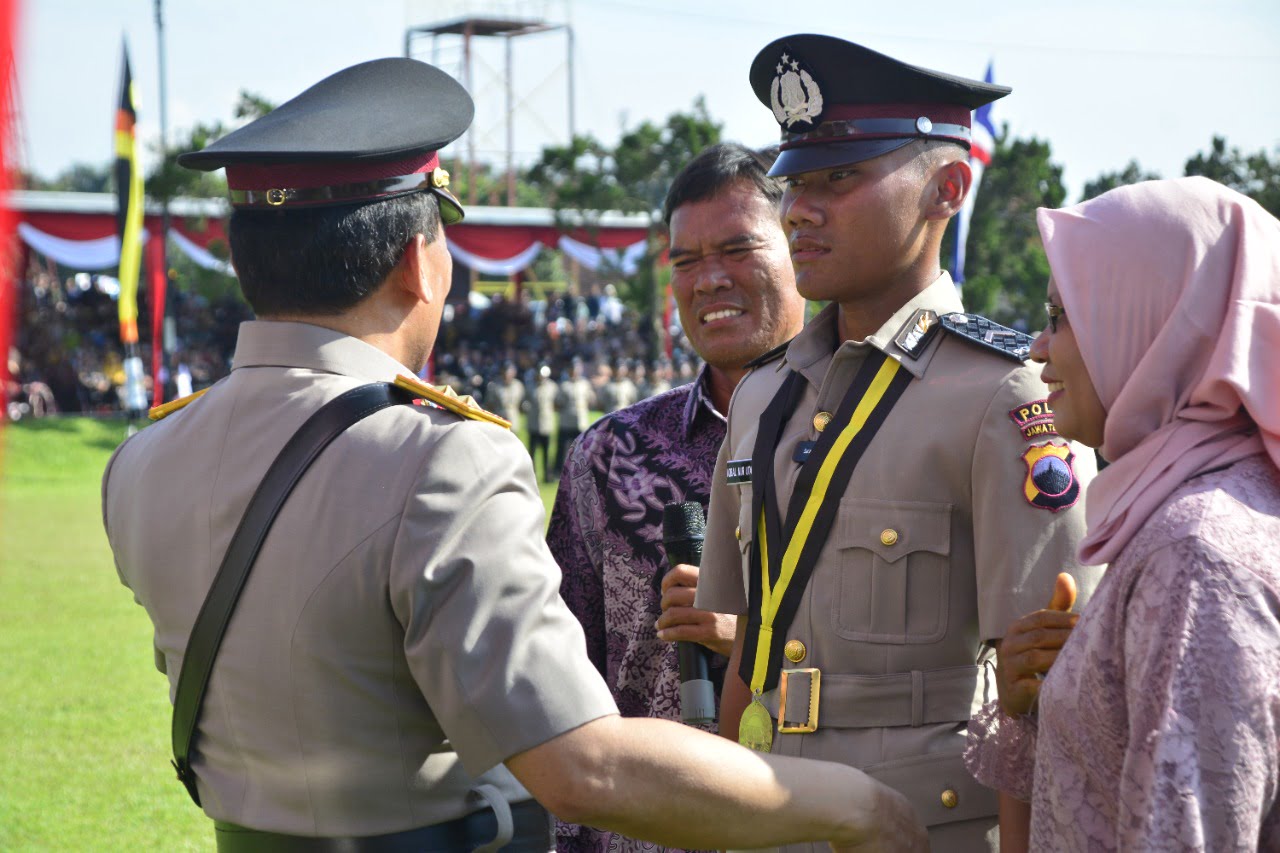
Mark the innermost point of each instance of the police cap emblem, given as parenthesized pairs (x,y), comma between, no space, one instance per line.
(796,98)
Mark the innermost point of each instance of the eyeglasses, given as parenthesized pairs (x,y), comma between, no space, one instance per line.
(1054,312)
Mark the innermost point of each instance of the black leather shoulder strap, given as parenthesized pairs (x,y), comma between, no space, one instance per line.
(330,421)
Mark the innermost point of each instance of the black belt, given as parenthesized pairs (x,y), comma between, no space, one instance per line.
(533,833)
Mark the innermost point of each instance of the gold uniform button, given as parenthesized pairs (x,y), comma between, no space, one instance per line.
(794,650)
(888,536)
(737,533)
(821,420)
(950,799)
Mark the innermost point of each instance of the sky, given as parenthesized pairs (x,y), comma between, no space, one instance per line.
(1103,82)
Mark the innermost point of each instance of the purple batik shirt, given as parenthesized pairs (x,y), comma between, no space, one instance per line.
(606,534)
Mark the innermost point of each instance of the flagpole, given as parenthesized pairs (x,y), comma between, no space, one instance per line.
(163,252)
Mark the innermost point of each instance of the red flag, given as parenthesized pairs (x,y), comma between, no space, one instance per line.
(8,249)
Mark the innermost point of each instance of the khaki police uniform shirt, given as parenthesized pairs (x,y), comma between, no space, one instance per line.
(404,596)
(622,393)
(542,408)
(935,549)
(573,404)
(504,399)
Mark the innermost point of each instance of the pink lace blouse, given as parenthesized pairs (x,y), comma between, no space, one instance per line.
(1159,724)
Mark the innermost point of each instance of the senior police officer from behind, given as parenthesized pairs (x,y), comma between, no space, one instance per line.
(399,672)
(891,494)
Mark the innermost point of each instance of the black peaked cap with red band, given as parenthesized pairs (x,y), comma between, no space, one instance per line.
(367,133)
(839,103)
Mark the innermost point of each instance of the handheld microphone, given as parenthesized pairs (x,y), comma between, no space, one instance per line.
(683,530)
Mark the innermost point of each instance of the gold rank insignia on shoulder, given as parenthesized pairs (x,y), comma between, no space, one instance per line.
(158,413)
(446,398)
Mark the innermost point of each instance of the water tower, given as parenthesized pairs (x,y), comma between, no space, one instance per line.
(475,41)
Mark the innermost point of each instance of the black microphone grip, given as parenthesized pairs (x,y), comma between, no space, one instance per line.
(683,531)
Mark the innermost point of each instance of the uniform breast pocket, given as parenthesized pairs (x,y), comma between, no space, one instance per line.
(894,571)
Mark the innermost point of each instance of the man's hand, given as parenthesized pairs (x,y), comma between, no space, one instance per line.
(1030,647)
(680,620)
(894,828)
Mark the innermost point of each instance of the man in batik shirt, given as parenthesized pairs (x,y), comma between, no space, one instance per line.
(734,286)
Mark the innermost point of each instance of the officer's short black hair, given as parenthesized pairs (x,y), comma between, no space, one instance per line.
(719,166)
(324,260)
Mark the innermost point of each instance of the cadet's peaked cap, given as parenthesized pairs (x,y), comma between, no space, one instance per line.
(839,103)
(367,133)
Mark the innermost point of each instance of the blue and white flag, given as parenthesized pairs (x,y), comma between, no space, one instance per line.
(981,149)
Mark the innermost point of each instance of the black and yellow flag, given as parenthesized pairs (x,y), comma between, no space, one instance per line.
(129,195)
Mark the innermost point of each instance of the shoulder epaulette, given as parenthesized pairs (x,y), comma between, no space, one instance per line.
(772,355)
(160,412)
(446,398)
(989,335)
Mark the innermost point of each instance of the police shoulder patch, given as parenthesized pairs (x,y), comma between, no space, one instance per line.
(989,335)
(772,355)
(1051,481)
(1034,419)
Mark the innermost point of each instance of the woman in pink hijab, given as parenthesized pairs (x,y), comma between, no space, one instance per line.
(1158,725)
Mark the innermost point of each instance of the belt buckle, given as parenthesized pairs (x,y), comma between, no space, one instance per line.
(815,685)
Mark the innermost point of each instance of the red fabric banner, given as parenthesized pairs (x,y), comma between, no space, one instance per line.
(488,241)
(157,285)
(505,241)
(93,226)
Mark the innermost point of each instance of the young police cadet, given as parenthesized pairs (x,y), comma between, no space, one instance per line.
(880,511)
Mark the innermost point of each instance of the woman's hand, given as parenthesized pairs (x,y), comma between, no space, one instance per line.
(1030,647)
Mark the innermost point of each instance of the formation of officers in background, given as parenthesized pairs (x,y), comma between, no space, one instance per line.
(555,411)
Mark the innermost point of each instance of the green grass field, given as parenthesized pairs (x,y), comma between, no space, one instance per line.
(84,715)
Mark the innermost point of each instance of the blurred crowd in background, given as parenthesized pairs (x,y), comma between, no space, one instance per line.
(67,356)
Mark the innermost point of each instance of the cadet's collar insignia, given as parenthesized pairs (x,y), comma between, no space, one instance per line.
(1034,418)
(795,96)
(772,355)
(737,472)
(990,335)
(446,398)
(159,413)
(1051,481)
(913,337)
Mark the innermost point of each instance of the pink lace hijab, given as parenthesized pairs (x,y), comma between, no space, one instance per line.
(1172,289)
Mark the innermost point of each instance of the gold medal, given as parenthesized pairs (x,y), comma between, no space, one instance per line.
(755,729)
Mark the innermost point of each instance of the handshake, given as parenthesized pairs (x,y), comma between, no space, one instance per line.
(863,814)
